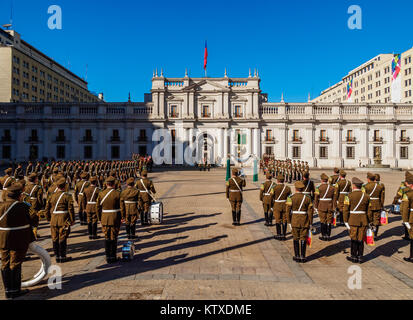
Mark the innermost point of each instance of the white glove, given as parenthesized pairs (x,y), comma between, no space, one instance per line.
(347,225)
(291,228)
(407,225)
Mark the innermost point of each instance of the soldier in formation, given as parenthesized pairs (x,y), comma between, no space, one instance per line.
(234,189)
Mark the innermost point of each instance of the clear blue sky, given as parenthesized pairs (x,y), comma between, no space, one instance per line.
(299,47)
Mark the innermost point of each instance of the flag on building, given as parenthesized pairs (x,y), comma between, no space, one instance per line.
(205,56)
(396,82)
(350,91)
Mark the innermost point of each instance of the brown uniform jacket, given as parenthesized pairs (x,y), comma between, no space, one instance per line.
(341,190)
(34,196)
(376,193)
(110,204)
(129,201)
(294,203)
(406,207)
(326,192)
(90,194)
(232,191)
(350,204)
(309,188)
(333,179)
(266,192)
(80,188)
(281,194)
(6,182)
(143,195)
(60,213)
(18,216)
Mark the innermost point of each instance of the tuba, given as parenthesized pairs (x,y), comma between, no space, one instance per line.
(44,269)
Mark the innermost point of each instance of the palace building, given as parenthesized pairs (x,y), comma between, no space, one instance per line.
(324,134)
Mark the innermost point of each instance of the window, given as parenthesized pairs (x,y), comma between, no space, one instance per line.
(33,152)
(323,152)
(174,111)
(142,135)
(323,135)
(404,152)
(88,135)
(296,135)
(6,152)
(115,150)
(60,152)
(377,153)
(407,71)
(33,137)
(115,135)
(61,135)
(350,154)
(403,135)
(268,150)
(268,136)
(205,111)
(87,151)
(142,150)
(296,152)
(238,112)
(376,136)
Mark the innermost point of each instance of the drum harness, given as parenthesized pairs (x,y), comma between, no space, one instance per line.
(146,190)
(103,200)
(15,228)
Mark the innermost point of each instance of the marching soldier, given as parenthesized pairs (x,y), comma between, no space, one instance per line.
(300,217)
(280,196)
(108,209)
(324,206)
(341,190)
(146,189)
(234,188)
(356,219)
(407,212)
(90,195)
(334,178)
(398,200)
(308,186)
(61,215)
(15,237)
(34,195)
(6,182)
(129,207)
(376,194)
(267,197)
(18,172)
(79,189)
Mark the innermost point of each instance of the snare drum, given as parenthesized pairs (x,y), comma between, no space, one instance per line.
(128,251)
(157,213)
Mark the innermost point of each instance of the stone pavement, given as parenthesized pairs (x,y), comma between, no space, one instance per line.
(198,254)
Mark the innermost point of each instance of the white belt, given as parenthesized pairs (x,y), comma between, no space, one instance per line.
(80,194)
(306,192)
(15,228)
(267,194)
(399,201)
(411,209)
(111,211)
(280,201)
(131,202)
(327,199)
(374,198)
(60,212)
(91,203)
(144,191)
(33,198)
(344,192)
(234,191)
(299,212)
(358,212)
(4,188)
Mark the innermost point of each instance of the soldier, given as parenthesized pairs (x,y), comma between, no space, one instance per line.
(300,217)
(18,172)
(398,200)
(267,197)
(308,185)
(15,237)
(341,190)
(29,168)
(406,209)
(129,207)
(324,206)
(234,187)
(146,189)
(90,195)
(280,196)
(356,219)
(108,209)
(61,215)
(334,178)
(34,195)
(6,182)
(375,192)
(79,189)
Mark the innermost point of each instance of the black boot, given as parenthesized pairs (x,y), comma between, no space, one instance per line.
(410,259)
(323,232)
(353,254)
(142,218)
(234,218)
(360,251)
(128,231)
(6,276)
(239,218)
(63,247)
(56,251)
(328,232)
(16,283)
(266,219)
(133,231)
(296,251)
(278,228)
(406,233)
(376,232)
(284,231)
(95,231)
(114,249)
(270,218)
(107,250)
(89,229)
(303,244)
(147,218)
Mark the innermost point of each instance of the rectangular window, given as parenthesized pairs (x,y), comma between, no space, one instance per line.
(115,152)
(296,135)
(142,150)
(350,154)
(296,152)
(238,112)
(205,111)
(377,153)
(88,152)
(377,137)
(404,152)
(268,150)
(60,152)
(6,152)
(323,135)
(268,136)
(323,152)
(174,111)
(88,135)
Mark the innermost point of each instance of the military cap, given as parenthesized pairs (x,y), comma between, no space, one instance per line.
(8,171)
(356,181)
(130,181)
(280,177)
(299,185)
(84,175)
(61,183)
(343,173)
(32,177)
(110,179)
(15,190)
(336,170)
(93,179)
(144,173)
(371,176)
(268,176)
(234,171)
(377,177)
(324,177)
(409,179)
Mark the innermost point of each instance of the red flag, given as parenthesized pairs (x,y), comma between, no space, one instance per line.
(205,56)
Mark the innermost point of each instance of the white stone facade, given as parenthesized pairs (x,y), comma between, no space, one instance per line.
(325,135)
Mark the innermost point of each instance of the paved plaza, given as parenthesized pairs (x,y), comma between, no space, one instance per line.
(198,254)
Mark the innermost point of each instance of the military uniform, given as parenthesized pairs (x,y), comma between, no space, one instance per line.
(33,194)
(6,182)
(15,237)
(376,194)
(281,192)
(267,197)
(309,187)
(341,189)
(234,188)
(61,214)
(406,209)
(129,198)
(146,188)
(90,195)
(325,206)
(79,194)
(108,208)
(300,217)
(356,207)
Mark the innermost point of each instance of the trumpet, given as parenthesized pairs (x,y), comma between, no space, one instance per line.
(44,268)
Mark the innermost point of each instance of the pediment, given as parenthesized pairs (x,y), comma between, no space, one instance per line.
(206,85)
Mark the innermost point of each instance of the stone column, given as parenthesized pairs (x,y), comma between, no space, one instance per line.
(226,105)
(255,106)
(364,145)
(226,145)
(249,141)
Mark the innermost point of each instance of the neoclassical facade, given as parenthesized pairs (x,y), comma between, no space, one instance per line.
(230,115)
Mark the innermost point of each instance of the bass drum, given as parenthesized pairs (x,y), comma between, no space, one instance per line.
(157,213)
(43,271)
